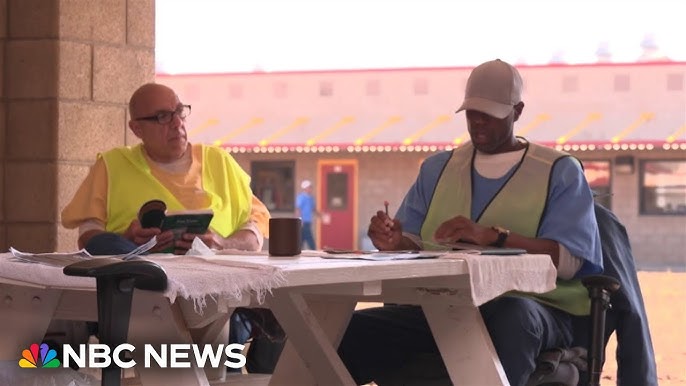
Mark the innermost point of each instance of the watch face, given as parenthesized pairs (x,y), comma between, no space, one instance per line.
(502,236)
(501,230)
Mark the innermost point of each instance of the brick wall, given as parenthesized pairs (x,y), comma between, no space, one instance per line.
(68,70)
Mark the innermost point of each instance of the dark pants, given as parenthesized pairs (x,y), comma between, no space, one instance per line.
(308,236)
(264,350)
(394,345)
(263,353)
(109,244)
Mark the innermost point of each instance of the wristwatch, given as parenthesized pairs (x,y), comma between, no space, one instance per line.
(502,236)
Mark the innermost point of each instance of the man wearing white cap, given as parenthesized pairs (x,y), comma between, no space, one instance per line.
(498,190)
(306,209)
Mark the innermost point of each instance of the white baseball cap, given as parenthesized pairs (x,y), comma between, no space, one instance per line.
(493,88)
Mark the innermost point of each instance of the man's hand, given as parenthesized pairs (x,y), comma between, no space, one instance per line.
(209,238)
(463,229)
(385,233)
(242,240)
(139,235)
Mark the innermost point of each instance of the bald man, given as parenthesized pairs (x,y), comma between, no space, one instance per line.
(164,166)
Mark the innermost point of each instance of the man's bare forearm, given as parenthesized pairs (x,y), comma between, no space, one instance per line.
(244,240)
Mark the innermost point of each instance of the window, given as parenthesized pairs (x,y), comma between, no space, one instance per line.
(235,91)
(337,191)
(280,90)
(325,89)
(570,83)
(598,176)
(373,87)
(663,187)
(622,82)
(272,182)
(675,82)
(421,86)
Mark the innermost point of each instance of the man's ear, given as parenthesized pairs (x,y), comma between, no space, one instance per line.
(135,128)
(518,108)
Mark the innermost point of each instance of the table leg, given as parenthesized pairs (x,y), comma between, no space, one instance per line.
(155,321)
(465,345)
(216,333)
(27,312)
(314,330)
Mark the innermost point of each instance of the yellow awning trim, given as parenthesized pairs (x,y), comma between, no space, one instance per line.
(645,117)
(428,127)
(373,133)
(203,126)
(540,118)
(292,126)
(679,132)
(335,127)
(234,133)
(590,118)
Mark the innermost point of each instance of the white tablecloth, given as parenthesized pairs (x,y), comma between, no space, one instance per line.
(195,278)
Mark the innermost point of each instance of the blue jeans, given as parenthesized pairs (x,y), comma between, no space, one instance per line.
(394,345)
(109,244)
(308,236)
(240,330)
(114,244)
(264,352)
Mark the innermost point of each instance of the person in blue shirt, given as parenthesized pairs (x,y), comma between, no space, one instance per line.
(306,209)
(500,190)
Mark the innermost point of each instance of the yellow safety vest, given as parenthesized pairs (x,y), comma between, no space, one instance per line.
(518,206)
(130,184)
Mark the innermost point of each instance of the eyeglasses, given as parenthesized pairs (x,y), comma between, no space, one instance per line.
(164,117)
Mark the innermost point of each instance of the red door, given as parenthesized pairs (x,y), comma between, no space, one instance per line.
(337,202)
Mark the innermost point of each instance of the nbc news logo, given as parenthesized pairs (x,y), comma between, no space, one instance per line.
(39,356)
(98,355)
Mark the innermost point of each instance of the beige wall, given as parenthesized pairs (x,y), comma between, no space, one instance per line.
(67,70)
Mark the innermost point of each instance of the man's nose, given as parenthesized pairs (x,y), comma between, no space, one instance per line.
(176,121)
(478,119)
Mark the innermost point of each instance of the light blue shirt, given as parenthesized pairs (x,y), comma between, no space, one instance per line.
(568,218)
(306,204)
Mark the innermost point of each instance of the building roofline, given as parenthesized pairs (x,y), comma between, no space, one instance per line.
(417,69)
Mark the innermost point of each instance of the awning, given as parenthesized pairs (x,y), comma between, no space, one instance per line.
(398,133)
(279,112)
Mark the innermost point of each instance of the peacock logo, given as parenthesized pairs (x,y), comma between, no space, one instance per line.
(31,358)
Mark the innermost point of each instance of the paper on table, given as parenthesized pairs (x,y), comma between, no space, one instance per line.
(382,256)
(482,250)
(141,249)
(62,259)
(55,259)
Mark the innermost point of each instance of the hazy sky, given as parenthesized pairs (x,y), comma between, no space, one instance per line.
(195,36)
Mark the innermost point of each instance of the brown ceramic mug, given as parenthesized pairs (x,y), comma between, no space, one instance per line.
(285,236)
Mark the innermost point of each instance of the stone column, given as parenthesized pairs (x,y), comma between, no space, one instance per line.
(3,123)
(68,68)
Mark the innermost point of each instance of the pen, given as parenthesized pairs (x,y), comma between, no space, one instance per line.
(385,204)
